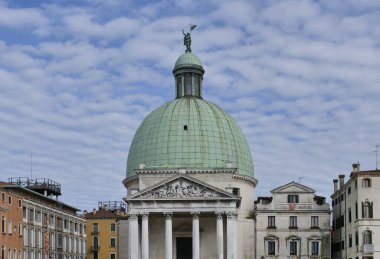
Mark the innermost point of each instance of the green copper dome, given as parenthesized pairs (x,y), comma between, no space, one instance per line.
(188,60)
(189,132)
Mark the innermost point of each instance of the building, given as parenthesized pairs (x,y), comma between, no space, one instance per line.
(292,223)
(49,227)
(103,230)
(356,215)
(11,224)
(190,179)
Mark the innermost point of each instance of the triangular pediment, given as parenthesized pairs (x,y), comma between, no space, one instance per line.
(182,187)
(293,187)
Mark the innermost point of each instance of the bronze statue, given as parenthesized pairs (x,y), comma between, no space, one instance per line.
(187,38)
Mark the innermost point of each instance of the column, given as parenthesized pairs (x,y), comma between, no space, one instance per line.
(231,235)
(133,236)
(195,234)
(219,235)
(144,236)
(168,235)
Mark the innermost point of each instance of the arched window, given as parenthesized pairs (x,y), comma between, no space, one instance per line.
(2,251)
(366,182)
(367,237)
(367,209)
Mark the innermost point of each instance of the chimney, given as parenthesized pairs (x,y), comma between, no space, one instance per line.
(341,181)
(94,211)
(356,167)
(335,185)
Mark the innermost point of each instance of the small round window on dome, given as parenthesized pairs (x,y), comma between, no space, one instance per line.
(185,127)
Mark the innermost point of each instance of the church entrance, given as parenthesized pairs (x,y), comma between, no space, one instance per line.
(184,247)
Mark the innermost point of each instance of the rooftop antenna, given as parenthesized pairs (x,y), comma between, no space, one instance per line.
(300,178)
(376,151)
(31,164)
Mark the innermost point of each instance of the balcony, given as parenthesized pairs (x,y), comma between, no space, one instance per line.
(95,248)
(368,248)
(95,232)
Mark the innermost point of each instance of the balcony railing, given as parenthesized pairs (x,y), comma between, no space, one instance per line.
(368,248)
(95,248)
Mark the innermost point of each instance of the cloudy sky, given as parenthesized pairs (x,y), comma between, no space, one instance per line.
(78,77)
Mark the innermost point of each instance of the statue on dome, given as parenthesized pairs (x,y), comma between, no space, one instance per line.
(187,37)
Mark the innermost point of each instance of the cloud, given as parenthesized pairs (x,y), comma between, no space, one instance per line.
(21,17)
(300,77)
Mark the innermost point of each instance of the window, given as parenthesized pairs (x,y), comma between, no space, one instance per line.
(3,223)
(112,256)
(19,203)
(350,240)
(366,182)
(271,247)
(349,190)
(356,210)
(3,196)
(293,248)
(349,214)
(356,238)
(293,222)
(314,248)
(367,237)
(112,226)
(314,221)
(38,216)
(9,227)
(271,222)
(367,211)
(188,84)
(113,242)
(9,199)
(95,228)
(293,198)
(271,242)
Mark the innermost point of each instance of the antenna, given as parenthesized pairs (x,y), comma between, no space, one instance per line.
(376,151)
(31,164)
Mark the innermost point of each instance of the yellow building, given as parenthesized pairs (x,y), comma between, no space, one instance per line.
(102,230)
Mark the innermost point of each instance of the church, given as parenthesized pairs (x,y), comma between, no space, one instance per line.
(190,179)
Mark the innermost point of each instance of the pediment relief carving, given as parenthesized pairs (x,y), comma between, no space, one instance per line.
(182,188)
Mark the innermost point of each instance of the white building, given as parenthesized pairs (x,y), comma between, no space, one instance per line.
(292,223)
(190,178)
(356,215)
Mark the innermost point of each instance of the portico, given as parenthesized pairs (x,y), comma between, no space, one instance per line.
(193,206)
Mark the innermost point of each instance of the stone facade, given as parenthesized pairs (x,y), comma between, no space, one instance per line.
(356,215)
(210,209)
(293,223)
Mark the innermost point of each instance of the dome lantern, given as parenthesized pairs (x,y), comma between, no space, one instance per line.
(188,72)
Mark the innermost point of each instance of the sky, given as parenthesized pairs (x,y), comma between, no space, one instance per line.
(78,77)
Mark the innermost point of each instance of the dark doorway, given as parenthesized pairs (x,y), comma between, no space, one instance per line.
(184,247)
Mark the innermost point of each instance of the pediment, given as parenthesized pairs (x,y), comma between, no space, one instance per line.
(182,187)
(293,187)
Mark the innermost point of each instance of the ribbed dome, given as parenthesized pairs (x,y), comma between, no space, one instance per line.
(188,60)
(189,133)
